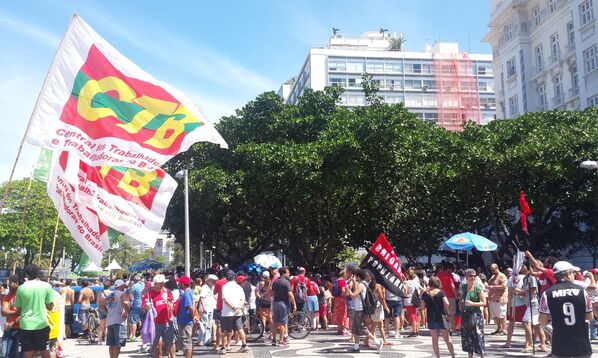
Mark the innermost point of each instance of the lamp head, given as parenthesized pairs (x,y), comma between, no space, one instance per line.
(589,164)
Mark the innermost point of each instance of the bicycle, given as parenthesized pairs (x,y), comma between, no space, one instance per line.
(296,329)
(253,327)
(93,325)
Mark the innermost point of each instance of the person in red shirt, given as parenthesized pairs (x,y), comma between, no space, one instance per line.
(545,274)
(217,312)
(447,285)
(9,310)
(313,308)
(161,300)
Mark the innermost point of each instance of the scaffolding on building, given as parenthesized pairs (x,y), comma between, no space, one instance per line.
(458,98)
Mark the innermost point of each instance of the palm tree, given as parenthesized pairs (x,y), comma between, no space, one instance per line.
(396,43)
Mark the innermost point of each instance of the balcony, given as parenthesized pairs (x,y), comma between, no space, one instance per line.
(572,93)
(558,101)
(555,58)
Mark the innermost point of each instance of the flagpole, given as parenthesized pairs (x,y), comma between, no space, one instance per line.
(53,246)
(35,107)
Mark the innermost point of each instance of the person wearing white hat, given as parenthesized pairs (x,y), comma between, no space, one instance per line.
(161,300)
(117,308)
(569,307)
(206,307)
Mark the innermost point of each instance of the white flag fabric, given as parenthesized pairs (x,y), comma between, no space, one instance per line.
(131,201)
(98,104)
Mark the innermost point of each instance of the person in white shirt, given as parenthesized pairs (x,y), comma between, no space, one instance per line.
(233,302)
(205,307)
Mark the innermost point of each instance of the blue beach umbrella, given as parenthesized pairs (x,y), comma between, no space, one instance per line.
(146,264)
(467,241)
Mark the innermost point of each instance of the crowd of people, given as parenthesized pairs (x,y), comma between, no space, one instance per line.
(555,303)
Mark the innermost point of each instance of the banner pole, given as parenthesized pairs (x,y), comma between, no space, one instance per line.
(53,246)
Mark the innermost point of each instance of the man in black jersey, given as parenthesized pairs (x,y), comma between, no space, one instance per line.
(569,306)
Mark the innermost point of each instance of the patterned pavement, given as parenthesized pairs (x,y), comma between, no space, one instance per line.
(328,344)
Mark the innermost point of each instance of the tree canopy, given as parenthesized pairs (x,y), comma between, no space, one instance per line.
(315,178)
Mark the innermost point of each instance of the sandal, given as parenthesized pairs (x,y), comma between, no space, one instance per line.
(526,350)
(541,349)
(388,343)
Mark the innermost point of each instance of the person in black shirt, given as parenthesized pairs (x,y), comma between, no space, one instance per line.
(437,304)
(283,299)
(569,306)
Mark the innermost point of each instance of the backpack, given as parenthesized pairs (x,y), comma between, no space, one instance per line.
(415,299)
(300,292)
(336,289)
(177,303)
(370,302)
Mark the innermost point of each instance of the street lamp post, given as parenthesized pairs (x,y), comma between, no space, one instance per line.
(184,174)
(593,165)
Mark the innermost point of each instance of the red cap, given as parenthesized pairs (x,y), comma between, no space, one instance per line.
(241,279)
(595,271)
(185,280)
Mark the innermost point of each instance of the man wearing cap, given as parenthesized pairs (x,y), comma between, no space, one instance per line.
(184,317)
(161,300)
(9,310)
(117,308)
(569,306)
(233,302)
(135,311)
(218,292)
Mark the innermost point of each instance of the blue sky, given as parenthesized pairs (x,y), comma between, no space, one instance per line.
(221,53)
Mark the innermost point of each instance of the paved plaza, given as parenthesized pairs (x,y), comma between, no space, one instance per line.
(328,344)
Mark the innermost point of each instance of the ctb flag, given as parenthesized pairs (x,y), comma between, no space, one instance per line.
(386,266)
(525,211)
(98,104)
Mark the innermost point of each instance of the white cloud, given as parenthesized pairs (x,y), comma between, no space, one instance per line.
(33,32)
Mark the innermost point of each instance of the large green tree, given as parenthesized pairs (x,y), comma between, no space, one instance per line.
(314,178)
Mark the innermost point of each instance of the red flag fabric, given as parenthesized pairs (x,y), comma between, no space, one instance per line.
(525,211)
(385,264)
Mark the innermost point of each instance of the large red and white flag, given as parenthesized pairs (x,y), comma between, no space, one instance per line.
(83,223)
(128,200)
(382,260)
(98,104)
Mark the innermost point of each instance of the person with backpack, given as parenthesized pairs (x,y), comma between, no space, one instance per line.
(412,300)
(377,318)
(439,314)
(184,317)
(299,284)
(339,305)
(364,305)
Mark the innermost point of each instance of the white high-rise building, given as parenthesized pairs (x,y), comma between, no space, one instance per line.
(440,84)
(545,54)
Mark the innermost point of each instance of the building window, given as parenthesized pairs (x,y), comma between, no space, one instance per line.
(429,85)
(355,100)
(481,70)
(571,35)
(413,84)
(372,67)
(554,47)
(508,32)
(513,106)
(416,68)
(393,67)
(427,69)
(337,82)
(536,16)
(593,101)
(336,66)
(590,60)
(586,12)
(540,58)
(553,5)
(354,82)
(511,68)
(543,103)
(559,96)
(574,79)
(355,66)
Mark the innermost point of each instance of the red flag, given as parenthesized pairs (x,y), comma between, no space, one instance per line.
(385,265)
(525,211)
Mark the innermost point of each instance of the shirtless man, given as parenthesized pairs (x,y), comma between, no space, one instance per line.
(69,303)
(85,297)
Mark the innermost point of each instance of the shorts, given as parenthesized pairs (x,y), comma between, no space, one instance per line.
(116,335)
(164,331)
(519,312)
(68,314)
(312,304)
(412,314)
(395,308)
(102,314)
(452,306)
(135,315)
(356,318)
(217,316)
(35,340)
(280,312)
(535,315)
(83,313)
(497,309)
(185,337)
(265,303)
(231,323)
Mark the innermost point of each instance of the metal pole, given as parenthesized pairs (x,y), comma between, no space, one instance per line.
(53,246)
(201,255)
(187,249)
(531,310)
